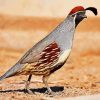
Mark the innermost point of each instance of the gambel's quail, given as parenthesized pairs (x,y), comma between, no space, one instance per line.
(51,53)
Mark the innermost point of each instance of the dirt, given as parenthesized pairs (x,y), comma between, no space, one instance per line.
(79,76)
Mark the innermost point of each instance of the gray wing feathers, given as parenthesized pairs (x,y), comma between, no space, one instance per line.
(29,57)
(33,54)
(12,71)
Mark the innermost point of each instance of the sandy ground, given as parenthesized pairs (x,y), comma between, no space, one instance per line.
(79,76)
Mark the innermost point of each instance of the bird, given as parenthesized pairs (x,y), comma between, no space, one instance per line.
(50,53)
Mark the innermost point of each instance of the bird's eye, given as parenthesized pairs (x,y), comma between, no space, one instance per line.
(73,15)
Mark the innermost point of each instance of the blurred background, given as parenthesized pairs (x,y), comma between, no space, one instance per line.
(21,21)
(24,22)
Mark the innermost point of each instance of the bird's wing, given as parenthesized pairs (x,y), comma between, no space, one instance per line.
(48,56)
(29,57)
(45,57)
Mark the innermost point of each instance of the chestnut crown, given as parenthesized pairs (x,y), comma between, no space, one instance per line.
(76,9)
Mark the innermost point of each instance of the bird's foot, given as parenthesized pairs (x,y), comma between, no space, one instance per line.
(29,91)
(49,92)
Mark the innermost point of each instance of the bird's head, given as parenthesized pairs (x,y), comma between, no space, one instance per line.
(79,13)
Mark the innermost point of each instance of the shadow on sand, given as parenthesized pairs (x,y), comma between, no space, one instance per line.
(39,90)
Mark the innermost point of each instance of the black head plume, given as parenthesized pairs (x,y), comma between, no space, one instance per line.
(93,9)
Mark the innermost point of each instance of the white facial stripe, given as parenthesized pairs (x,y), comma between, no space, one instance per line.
(77,12)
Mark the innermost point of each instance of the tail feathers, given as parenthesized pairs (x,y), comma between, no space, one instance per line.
(1,78)
(12,71)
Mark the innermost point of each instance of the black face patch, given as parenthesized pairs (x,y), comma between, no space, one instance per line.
(79,17)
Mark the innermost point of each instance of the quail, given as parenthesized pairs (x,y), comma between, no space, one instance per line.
(50,53)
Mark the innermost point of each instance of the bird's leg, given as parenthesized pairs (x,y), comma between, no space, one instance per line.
(45,78)
(27,84)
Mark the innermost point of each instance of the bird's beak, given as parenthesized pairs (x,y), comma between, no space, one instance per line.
(94,10)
